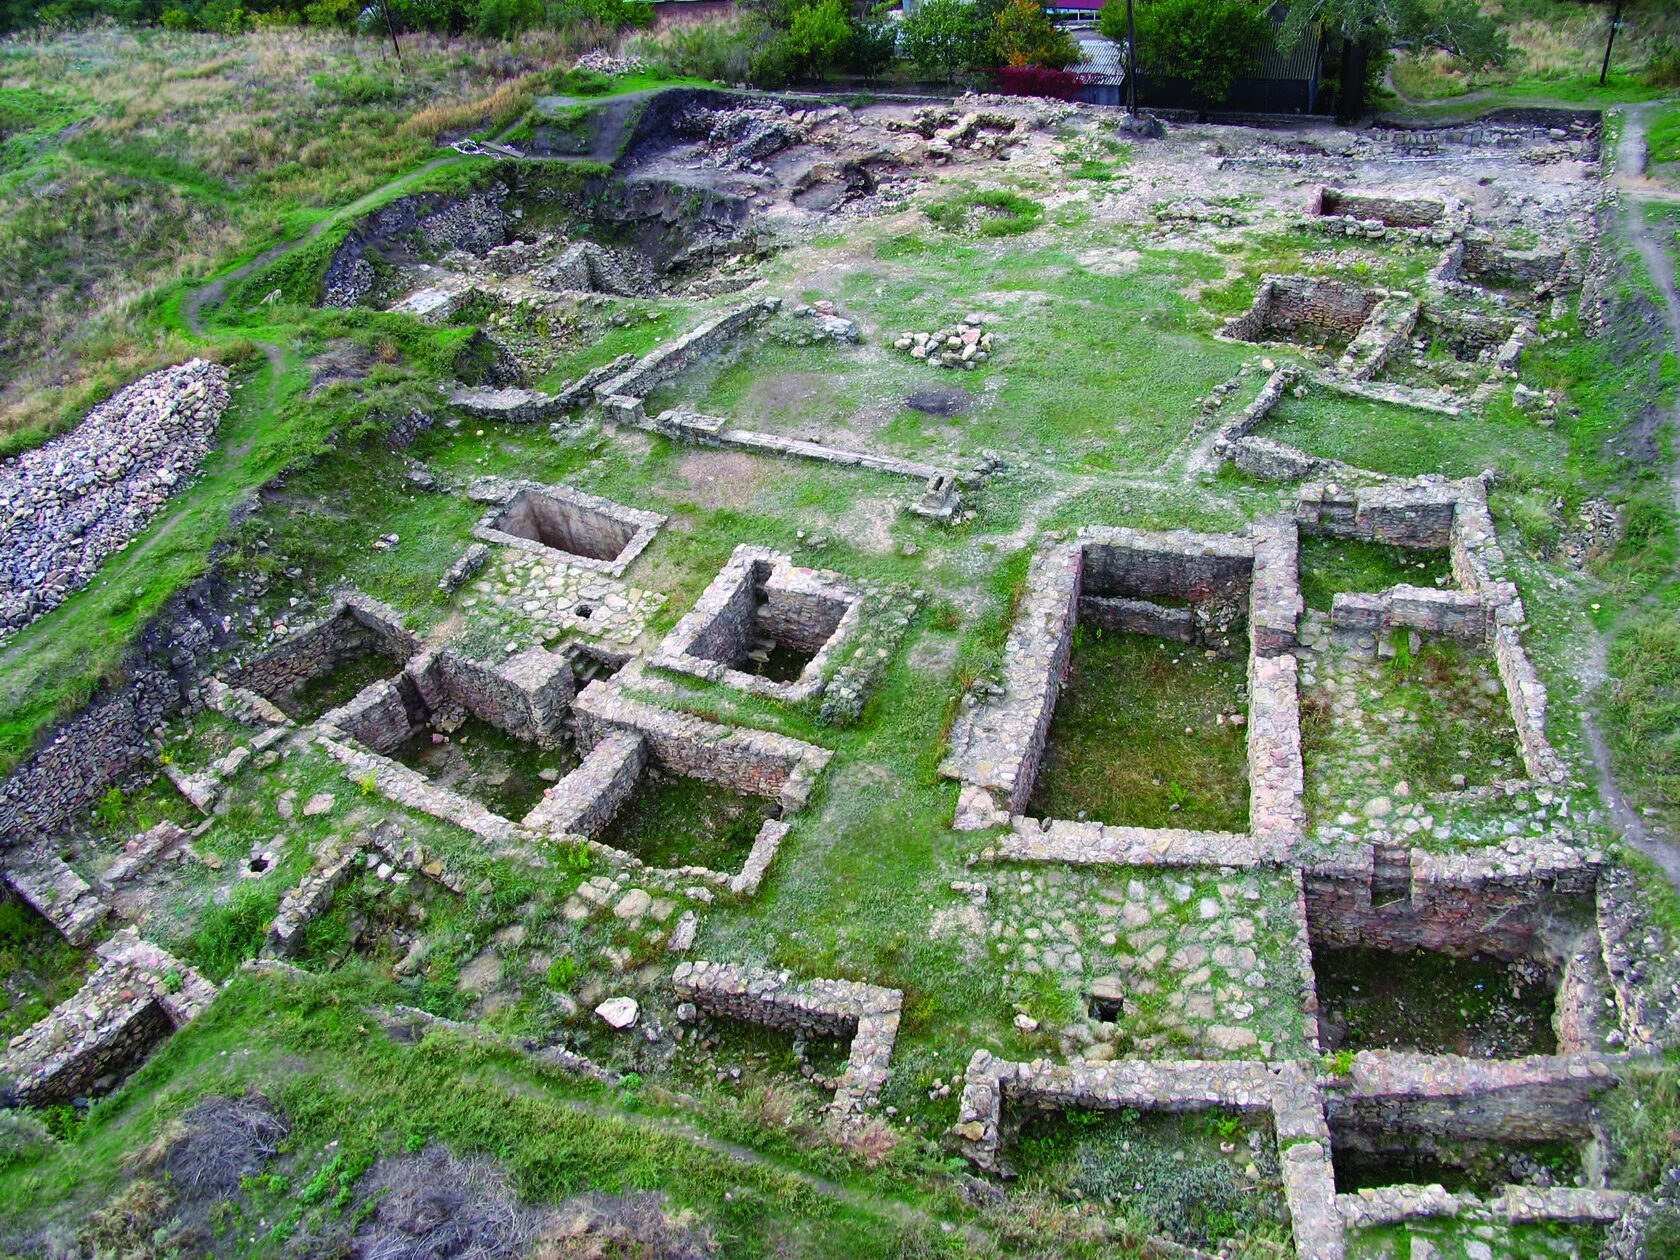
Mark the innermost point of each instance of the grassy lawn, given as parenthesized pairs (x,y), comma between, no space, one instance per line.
(1137,741)
(1330,566)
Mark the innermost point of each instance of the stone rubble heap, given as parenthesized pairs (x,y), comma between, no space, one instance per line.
(69,504)
(963,345)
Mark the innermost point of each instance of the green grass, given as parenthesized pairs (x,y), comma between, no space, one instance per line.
(684,822)
(1662,138)
(1136,739)
(38,968)
(989,212)
(1330,566)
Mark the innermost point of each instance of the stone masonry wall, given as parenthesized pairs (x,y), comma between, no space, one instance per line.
(588,798)
(868,1013)
(671,358)
(1390,210)
(526,695)
(758,763)
(1284,305)
(60,896)
(1458,904)
(138,993)
(353,624)
(1518,1100)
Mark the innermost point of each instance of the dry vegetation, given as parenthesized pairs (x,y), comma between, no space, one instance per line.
(180,152)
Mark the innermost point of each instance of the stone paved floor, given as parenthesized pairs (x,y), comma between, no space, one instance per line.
(1201,962)
(544,596)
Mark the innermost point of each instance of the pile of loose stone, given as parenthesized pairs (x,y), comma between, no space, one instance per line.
(964,345)
(68,505)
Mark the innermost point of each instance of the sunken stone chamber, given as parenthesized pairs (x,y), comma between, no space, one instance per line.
(588,531)
(1391,211)
(764,625)
(1305,310)
(355,634)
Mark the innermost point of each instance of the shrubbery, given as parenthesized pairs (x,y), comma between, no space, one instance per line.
(1208,42)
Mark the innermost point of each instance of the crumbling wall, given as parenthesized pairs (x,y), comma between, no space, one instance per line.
(526,695)
(867,1013)
(666,361)
(588,798)
(352,626)
(1286,306)
(1390,210)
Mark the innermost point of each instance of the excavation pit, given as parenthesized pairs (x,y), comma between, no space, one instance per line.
(670,821)
(765,625)
(1433,1003)
(1367,1158)
(584,530)
(1390,211)
(473,758)
(1318,314)
(1197,1178)
(323,666)
(1146,733)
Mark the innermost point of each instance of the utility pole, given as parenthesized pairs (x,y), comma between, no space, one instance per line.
(1131,62)
(1615,24)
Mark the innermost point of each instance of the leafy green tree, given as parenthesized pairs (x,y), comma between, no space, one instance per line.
(944,37)
(1208,42)
(1027,37)
(819,34)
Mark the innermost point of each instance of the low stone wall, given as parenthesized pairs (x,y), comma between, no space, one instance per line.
(1098,844)
(588,798)
(1285,1092)
(1535,902)
(132,1001)
(1390,1095)
(412,790)
(868,1013)
(1514,1205)
(761,593)
(1646,994)
(1388,209)
(60,896)
(758,763)
(352,625)
(1448,614)
(659,366)
(304,903)
(1277,812)
(1274,599)
(1284,305)
(1117,615)
(998,737)
(1384,333)
(1178,564)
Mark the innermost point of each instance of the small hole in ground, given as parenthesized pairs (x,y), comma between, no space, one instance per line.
(259,864)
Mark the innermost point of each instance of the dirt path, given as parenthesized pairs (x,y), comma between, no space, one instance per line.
(1652,841)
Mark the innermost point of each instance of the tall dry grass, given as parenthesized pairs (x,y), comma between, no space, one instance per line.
(192,151)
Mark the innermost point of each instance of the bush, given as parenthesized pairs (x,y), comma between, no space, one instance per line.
(1060,85)
(1208,42)
(818,34)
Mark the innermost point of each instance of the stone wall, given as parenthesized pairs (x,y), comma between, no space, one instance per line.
(659,366)
(1446,613)
(867,1013)
(527,695)
(135,997)
(1277,812)
(1387,331)
(352,626)
(1392,1096)
(1178,564)
(1285,306)
(757,763)
(1532,903)
(1390,210)
(588,798)
(60,896)
(1274,598)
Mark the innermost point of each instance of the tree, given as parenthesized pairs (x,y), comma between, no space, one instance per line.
(1027,37)
(818,34)
(1456,27)
(943,37)
(1208,42)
